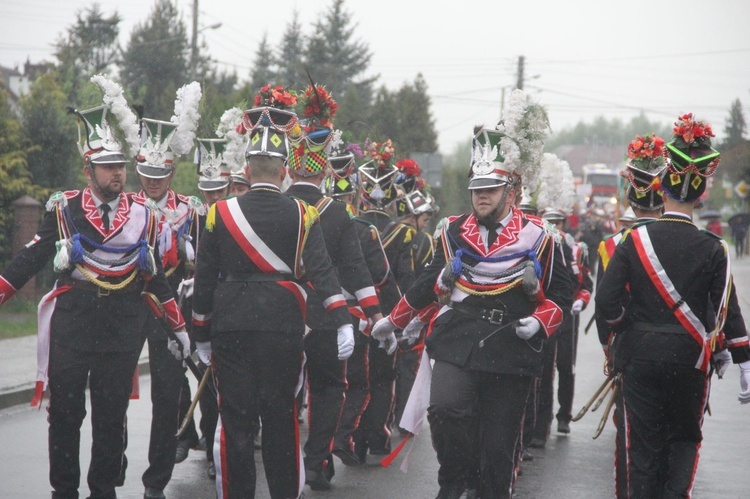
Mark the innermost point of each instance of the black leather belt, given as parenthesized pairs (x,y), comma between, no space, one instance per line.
(492,315)
(255,277)
(648,327)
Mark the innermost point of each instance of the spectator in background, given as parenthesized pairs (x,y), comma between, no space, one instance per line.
(739,234)
(714,225)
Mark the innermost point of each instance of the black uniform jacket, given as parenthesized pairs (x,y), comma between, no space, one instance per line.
(396,238)
(696,264)
(377,263)
(456,335)
(84,319)
(342,243)
(252,263)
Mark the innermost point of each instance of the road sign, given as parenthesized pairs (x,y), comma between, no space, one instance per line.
(742,189)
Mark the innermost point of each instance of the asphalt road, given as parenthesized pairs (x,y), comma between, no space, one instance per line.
(572,466)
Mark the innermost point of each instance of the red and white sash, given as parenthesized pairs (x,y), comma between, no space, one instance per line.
(670,295)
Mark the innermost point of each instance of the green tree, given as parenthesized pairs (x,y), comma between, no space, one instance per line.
(15,177)
(609,132)
(89,47)
(453,196)
(383,118)
(53,160)
(264,68)
(736,127)
(416,127)
(155,63)
(291,62)
(333,57)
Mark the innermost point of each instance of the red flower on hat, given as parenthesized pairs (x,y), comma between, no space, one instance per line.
(690,130)
(646,147)
(278,97)
(409,167)
(381,152)
(318,104)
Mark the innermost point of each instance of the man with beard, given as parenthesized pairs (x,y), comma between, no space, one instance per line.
(502,291)
(92,321)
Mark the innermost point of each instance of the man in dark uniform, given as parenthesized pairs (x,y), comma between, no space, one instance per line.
(249,311)
(325,366)
(162,142)
(413,208)
(343,186)
(95,314)
(503,292)
(679,285)
(377,197)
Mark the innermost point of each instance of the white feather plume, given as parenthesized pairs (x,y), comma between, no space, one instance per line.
(126,118)
(527,124)
(186,116)
(556,187)
(234,152)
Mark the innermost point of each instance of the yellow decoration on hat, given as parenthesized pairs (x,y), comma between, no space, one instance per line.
(697,181)
(675,179)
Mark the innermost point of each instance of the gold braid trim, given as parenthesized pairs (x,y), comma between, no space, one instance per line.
(499,290)
(106,285)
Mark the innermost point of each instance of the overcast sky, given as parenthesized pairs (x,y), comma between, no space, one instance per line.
(584,58)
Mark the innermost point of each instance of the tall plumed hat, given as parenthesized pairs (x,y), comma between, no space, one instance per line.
(98,127)
(408,182)
(236,144)
(164,141)
(213,171)
(378,175)
(643,171)
(343,178)
(510,153)
(269,122)
(690,159)
(556,193)
(409,176)
(309,149)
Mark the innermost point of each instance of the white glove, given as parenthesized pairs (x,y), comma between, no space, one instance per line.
(204,351)
(383,332)
(181,351)
(577,307)
(744,397)
(345,340)
(723,360)
(527,327)
(185,288)
(413,330)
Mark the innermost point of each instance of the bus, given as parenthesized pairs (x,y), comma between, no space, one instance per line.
(601,184)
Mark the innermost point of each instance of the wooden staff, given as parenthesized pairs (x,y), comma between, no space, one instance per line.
(189,415)
(585,408)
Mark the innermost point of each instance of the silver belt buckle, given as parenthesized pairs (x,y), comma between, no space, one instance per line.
(496,317)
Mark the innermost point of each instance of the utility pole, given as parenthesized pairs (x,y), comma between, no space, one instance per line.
(520,78)
(194,42)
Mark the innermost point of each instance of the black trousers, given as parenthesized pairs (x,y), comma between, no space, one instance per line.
(357,393)
(167,375)
(257,373)
(559,354)
(374,430)
(477,413)
(110,378)
(326,384)
(663,407)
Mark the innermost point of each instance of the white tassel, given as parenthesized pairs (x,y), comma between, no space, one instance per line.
(530,282)
(61,262)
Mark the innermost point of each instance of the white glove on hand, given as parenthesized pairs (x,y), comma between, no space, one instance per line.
(383,332)
(527,327)
(181,351)
(204,351)
(723,360)
(744,397)
(577,307)
(413,330)
(345,340)
(185,288)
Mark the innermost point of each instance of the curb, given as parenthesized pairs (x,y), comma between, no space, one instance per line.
(22,395)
